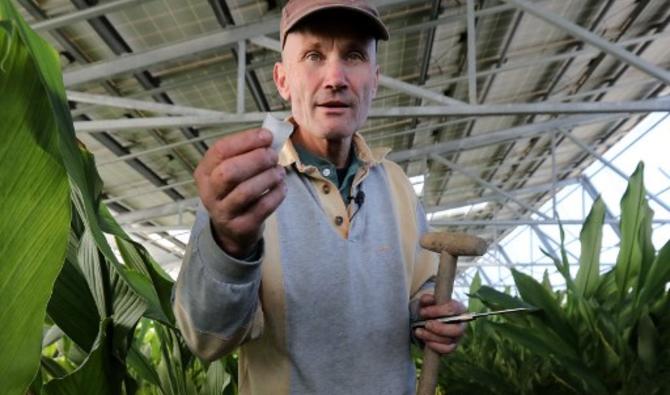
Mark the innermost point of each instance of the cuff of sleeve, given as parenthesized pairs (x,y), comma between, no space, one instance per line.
(224,267)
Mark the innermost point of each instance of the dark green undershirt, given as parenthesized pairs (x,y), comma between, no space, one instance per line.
(341,178)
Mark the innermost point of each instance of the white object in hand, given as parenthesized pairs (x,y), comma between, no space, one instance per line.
(280,130)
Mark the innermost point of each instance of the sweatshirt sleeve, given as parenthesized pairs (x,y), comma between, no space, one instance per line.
(216,300)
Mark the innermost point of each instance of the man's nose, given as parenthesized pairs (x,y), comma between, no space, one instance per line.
(336,76)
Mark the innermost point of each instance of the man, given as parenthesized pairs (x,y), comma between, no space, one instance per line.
(308,259)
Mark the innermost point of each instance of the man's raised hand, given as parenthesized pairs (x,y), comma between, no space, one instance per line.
(240,184)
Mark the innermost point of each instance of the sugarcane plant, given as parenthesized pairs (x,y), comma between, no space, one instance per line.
(77,318)
(605,333)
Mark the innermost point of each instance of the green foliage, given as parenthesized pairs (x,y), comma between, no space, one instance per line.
(606,334)
(72,308)
(35,208)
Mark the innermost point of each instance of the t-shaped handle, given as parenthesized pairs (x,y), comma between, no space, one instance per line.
(450,245)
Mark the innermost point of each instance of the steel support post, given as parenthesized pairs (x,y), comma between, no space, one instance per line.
(472,52)
(503,254)
(553,175)
(241,74)
(544,239)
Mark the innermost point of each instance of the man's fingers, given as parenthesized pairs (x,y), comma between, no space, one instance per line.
(267,204)
(441,348)
(427,300)
(249,191)
(452,307)
(428,336)
(234,171)
(255,214)
(445,330)
(233,145)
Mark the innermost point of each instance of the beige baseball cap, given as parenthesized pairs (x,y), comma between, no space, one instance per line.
(296,10)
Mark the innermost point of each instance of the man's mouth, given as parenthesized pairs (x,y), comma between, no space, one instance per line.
(333,104)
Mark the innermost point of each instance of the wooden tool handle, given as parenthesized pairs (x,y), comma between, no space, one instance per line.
(444,286)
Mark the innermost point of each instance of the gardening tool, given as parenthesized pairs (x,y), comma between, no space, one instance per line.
(465,317)
(450,246)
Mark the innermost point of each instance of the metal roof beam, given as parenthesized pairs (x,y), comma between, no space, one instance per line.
(89,13)
(163,210)
(133,104)
(453,166)
(167,53)
(611,166)
(500,136)
(509,66)
(593,39)
(143,60)
(644,106)
(495,197)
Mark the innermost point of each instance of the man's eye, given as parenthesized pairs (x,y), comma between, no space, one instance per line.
(313,56)
(356,56)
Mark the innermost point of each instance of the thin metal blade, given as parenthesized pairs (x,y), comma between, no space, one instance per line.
(452,319)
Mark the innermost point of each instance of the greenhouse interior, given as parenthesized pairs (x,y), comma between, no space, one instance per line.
(539,126)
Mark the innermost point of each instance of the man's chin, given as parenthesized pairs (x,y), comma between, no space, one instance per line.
(338,134)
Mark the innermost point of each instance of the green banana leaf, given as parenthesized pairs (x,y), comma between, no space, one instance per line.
(217,379)
(657,277)
(633,210)
(142,366)
(73,308)
(498,300)
(542,343)
(98,375)
(474,304)
(534,293)
(586,281)
(35,205)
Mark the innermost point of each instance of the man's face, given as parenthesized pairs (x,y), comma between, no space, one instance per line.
(330,78)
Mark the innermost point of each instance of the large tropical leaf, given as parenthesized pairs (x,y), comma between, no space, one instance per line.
(544,344)
(474,304)
(99,374)
(142,366)
(137,258)
(498,300)
(35,207)
(586,281)
(534,293)
(657,277)
(217,378)
(634,208)
(73,308)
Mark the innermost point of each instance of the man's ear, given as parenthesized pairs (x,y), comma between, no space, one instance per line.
(376,81)
(279,76)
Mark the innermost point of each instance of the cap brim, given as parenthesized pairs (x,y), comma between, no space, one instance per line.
(380,31)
